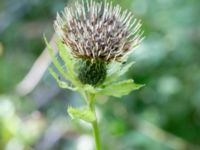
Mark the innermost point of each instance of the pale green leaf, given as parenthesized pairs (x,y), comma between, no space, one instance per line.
(61,84)
(55,61)
(126,68)
(117,70)
(120,88)
(66,57)
(112,73)
(83,113)
(113,68)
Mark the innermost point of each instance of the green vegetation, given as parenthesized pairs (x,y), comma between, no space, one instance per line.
(163,115)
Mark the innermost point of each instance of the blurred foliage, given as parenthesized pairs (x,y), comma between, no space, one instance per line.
(164,115)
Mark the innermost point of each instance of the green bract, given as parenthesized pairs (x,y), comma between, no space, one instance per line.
(92,72)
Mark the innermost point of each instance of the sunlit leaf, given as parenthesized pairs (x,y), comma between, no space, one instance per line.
(55,61)
(120,88)
(83,113)
(116,70)
(125,68)
(66,57)
(112,73)
(61,84)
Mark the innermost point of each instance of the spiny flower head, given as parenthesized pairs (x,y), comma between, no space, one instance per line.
(97,33)
(98,30)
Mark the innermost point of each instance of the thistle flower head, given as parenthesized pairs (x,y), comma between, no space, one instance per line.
(98,30)
(97,33)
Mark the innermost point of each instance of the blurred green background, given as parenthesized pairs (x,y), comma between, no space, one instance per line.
(164,115)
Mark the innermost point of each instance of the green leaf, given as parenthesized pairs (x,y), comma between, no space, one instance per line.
(61,84)
(64,53)
(112,73)
(83,113)
(113,68)
(117,70)
(125,68)
(55,61)
(120,88)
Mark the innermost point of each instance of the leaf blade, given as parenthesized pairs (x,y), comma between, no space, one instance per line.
(55,61)
(117,72)
(66,57)
(120,89)
(84,114)
(61,84)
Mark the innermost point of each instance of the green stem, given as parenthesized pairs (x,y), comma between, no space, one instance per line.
(94,123)
(96,135)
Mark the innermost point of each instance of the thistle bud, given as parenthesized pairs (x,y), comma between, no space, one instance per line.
(97,34)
